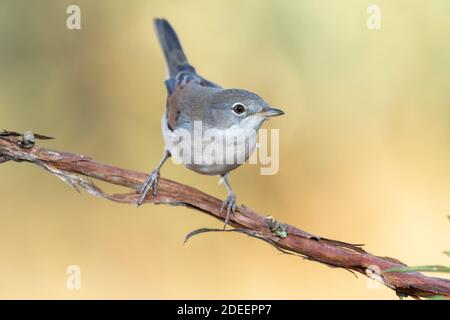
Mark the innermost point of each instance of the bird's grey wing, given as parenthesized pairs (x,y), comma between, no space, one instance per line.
(185,91)
(185,101)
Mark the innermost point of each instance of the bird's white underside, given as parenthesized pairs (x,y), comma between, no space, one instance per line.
(234,148)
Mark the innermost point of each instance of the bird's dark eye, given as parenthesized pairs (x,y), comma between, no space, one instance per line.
(239,108)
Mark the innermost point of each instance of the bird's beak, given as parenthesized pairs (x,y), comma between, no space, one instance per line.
(272,112)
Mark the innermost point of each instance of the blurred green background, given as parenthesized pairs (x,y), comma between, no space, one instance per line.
(364,143)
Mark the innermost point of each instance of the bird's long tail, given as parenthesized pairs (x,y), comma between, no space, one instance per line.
(173,53)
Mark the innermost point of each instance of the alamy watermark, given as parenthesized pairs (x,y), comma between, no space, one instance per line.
(374,19)
(73,21)
(73,281)
(374,277)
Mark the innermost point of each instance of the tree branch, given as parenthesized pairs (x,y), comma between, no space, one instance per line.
(74,168)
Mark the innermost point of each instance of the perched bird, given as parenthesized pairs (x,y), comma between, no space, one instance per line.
(192,102)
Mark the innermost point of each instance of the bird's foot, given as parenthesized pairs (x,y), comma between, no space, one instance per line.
(230,204)
(150,184)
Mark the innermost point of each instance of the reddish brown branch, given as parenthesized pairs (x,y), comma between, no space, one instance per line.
(73,168)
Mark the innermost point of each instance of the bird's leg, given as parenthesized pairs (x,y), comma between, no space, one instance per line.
(230,202)
(152,180)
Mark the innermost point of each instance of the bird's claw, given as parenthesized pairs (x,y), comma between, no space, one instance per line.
(150,184)
(230,203)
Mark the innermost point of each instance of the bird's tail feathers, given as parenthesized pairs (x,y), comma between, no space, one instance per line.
(176,60)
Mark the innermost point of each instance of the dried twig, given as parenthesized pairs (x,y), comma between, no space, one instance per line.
(74,169)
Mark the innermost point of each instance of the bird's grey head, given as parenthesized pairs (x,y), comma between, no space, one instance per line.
(238,107)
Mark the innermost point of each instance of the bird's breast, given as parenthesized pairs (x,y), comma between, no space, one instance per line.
(210,151)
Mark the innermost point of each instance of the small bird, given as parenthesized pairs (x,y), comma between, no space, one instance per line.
(193,100)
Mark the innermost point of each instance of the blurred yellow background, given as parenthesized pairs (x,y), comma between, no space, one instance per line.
(365,143)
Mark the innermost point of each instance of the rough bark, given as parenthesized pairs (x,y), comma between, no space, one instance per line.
(75,170)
